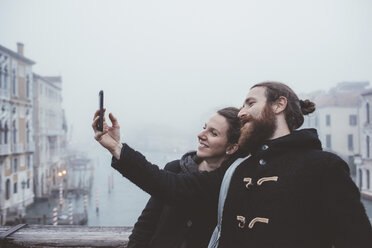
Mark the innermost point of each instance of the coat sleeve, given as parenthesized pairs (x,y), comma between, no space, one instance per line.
(347,219)
(147,222)
(179,189)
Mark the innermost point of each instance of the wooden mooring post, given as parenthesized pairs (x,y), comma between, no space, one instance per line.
(36,236)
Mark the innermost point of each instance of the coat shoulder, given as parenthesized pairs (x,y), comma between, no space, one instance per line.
(325,160)
(173,166)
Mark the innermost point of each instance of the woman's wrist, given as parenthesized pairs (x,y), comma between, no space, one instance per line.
(116,151)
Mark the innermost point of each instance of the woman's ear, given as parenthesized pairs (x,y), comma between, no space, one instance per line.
(231,149)
(280,105)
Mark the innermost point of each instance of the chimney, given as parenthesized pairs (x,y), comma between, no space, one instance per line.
(20,48)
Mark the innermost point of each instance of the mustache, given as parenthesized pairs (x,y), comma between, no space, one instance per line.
(245,119)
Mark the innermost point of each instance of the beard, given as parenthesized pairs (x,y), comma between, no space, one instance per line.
(259,130)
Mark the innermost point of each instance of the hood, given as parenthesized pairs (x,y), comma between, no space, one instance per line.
(189,162)
(304,139)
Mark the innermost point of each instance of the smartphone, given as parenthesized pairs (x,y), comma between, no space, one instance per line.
(100,121)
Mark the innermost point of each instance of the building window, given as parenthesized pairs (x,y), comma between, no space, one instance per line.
(6,133)
(328,141)
(14,83)
(367,112)
(28,183)
(15,132)
(28,86)
(352,120)
(367,179)
(360,178)
(350,143)
(15,188)
(328,120)
(1,133)
(5,86)
(7,189)
(367,143)
(15,165)
(27,133)
(28,161)
(1,77)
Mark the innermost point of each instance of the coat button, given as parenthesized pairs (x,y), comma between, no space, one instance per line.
(189,223)
(262,162)
(241,221)
(264,147)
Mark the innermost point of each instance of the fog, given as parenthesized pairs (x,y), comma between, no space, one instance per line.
(165,66)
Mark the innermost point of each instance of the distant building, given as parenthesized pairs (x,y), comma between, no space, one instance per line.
(16,132)
(337,118)
(50,131)
(363,160)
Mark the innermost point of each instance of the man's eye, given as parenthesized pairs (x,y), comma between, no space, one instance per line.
(250,104)
(204,127)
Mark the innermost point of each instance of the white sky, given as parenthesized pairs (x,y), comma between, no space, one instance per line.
(170,61)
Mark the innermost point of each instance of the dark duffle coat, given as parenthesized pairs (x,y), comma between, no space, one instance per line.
(289,193)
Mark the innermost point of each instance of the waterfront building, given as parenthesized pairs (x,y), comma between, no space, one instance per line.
(50,131)
(337,119)
(363,160)
(16,132)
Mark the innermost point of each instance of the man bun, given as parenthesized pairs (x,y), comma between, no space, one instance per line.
(307,106)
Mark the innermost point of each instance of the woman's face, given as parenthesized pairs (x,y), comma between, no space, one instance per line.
(213,142)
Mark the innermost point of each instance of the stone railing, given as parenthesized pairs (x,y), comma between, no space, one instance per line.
(18,148)
(4,149)
(30,147)
(66,236)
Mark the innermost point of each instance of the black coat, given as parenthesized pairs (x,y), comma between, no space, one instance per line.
(299,196)
(164,226)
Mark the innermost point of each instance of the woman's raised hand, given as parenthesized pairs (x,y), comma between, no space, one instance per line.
(110,136)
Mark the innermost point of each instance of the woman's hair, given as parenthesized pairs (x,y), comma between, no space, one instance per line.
(231,116)
(296,108)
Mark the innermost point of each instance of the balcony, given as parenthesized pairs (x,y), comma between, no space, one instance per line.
(4,93)
(18,148)
(30,147)
(67,236)
(4,149)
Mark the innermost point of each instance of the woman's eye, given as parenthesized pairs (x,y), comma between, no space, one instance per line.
(214,133)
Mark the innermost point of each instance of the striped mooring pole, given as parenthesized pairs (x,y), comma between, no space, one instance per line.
(55,217)
(85,204)
(97,200)
(70,217)
(60,195)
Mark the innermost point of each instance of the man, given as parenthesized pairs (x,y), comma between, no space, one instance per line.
(287,193)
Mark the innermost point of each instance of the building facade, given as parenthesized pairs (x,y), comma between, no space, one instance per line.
(363,160)
(337,119)
(16,132)
(50,134)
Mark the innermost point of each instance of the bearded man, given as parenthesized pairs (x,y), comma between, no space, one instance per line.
(285,192)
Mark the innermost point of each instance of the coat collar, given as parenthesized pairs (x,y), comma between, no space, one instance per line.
(304,139)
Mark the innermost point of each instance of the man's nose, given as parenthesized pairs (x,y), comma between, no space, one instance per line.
(242,113)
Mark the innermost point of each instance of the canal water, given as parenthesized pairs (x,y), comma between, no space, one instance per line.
(123,202)
(122,205)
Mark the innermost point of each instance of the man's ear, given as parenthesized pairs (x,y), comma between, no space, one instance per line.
(280,105)
(231,149)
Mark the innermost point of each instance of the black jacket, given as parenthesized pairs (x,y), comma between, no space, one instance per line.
(299,196)
(162,225)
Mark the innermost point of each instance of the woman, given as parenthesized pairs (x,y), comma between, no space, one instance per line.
(162,225)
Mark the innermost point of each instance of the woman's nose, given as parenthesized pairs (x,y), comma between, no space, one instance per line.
(202,135)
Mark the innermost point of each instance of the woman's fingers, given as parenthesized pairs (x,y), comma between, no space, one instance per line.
(113,120)
(94,124)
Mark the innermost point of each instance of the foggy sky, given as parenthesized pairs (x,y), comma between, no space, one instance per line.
(172,63)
